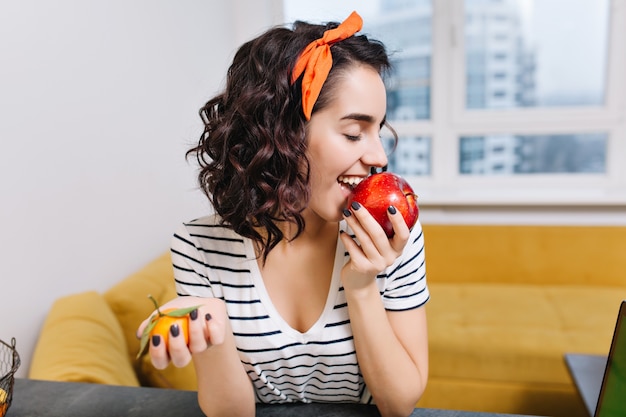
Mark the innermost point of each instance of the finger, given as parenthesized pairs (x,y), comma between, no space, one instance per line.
(401,230)
(352,243)
(353,222)
(179,352)
(217,329)
(198,332)
(370,234)
(358,260)
(158,352)
(360,220)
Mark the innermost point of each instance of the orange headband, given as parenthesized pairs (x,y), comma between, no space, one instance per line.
(316,60)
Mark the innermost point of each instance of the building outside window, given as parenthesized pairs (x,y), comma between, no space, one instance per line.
(500,89)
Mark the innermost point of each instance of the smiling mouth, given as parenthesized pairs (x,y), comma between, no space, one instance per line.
(350,181)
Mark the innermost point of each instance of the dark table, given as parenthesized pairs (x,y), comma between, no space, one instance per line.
(587,372)
(33,398)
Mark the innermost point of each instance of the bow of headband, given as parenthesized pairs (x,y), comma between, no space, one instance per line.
(316,60)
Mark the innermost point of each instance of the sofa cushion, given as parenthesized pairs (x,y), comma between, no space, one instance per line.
(129,301)
(86,320)
(526,254)
(502,397)
(513,334)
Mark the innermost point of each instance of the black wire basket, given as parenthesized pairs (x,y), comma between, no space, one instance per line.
(9,362)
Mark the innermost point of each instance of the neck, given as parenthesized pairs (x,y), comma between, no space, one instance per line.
(316,231)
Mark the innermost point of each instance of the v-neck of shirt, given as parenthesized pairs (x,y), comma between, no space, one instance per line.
(331,297)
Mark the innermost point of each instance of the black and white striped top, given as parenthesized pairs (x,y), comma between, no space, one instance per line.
(284,364)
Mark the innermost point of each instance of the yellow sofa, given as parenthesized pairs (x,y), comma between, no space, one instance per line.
(90,337)
(507,302)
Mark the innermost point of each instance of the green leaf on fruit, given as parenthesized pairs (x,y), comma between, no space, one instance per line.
(180,312)
(145,336)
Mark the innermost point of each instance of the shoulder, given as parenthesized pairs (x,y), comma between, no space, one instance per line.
(211,221)
(210,226)
(204,233)
(205,244)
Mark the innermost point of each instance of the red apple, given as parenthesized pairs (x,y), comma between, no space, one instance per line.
(379,191)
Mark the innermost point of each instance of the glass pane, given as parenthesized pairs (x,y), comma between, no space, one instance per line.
(536,154)
(535,53)
(410,157)
(404,26)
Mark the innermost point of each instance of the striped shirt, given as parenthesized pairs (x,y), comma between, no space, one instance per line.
(285,365)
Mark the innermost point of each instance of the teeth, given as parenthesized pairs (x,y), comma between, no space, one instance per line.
(352,181)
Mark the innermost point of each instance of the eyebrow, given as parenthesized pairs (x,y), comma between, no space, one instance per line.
(363,118)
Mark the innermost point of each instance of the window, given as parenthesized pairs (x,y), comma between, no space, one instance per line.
(535,154)
(524,101)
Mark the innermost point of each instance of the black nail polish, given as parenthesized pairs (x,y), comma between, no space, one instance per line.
(355,205)
(392,210)
(347,213)
(156,340)
(193,314)
(208,316)
(174,330)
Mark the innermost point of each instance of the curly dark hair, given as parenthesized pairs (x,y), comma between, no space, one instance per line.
(252,153)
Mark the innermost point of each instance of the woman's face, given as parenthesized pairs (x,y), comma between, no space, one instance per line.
(344,140)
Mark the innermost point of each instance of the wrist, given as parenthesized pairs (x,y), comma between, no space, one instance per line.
(366,293)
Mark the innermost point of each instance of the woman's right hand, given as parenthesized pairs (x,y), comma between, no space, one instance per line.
(207,327)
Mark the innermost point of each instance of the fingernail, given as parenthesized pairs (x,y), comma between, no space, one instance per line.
(392,210)
(156,340)
(347,213)
(208,316)
(355,205)
(174,330)
(193,314)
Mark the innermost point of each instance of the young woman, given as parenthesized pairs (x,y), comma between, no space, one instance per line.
(301,297)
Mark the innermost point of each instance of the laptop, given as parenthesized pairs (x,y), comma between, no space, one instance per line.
(612,398)
(601,380)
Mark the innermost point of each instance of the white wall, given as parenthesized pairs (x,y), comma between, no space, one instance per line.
(98,103)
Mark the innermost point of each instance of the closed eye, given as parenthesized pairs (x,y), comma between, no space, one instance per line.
(353,138)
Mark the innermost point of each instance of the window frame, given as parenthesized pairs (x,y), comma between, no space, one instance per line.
(450,120)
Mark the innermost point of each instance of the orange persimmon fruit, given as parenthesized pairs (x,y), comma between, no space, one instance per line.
(4,401)
(161,322)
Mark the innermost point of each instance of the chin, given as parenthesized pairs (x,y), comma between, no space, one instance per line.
(335,217)
(332,217)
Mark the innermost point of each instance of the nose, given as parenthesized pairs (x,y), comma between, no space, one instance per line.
(375,155)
